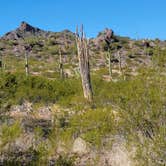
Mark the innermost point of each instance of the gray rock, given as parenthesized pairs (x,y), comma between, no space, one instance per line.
(80,146)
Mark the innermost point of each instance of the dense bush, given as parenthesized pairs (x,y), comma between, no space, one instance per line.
(16,88)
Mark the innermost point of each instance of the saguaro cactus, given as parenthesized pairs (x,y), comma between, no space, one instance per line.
(61,64)
(108,39)
(146,47)
(2,65)
(83,56)
(109,58)
(27,49)
(1,61)
(119,54)
(120,62)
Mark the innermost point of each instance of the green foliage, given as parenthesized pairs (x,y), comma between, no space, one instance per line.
(11,42)
(9,133)
(18,88)
(53,50)
(92,125)
(159,58)
(32,40)
(64,161)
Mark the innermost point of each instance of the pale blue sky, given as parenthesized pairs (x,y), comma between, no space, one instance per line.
(133,18)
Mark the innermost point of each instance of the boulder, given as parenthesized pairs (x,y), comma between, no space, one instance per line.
(80,146)
(106,36)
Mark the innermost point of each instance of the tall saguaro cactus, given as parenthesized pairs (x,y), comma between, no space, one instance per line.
(146,46)
(1,61)
(120,62)
(61,64)
(108,39)
(109,58)
(2,65)
(83,56)
(27,49)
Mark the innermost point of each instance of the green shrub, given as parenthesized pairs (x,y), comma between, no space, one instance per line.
(9,133)
(92,125)
(18,88)
(64,161)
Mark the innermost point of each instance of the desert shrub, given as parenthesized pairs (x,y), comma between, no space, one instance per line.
(9,133)
(53,50)
(140,103)
(32,40)
(17,88)
(159,58)
(64,161)
(72,49)
(92,126)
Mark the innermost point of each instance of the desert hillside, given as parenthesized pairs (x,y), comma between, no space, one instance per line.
(47,117)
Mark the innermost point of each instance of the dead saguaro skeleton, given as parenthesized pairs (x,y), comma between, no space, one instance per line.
(83,56)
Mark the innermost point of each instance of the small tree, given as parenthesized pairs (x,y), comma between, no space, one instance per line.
(83,56)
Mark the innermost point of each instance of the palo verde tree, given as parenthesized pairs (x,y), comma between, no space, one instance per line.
(83,56)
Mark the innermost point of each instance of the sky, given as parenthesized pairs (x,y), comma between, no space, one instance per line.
(133,18)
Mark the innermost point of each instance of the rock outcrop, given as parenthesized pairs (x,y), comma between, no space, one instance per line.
(25,30)
(105,36)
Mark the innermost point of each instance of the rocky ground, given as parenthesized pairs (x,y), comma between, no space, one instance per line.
(113,152)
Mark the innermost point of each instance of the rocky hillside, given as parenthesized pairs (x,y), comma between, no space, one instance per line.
(46,45)
(44,119)
(25,30)
(39,40)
